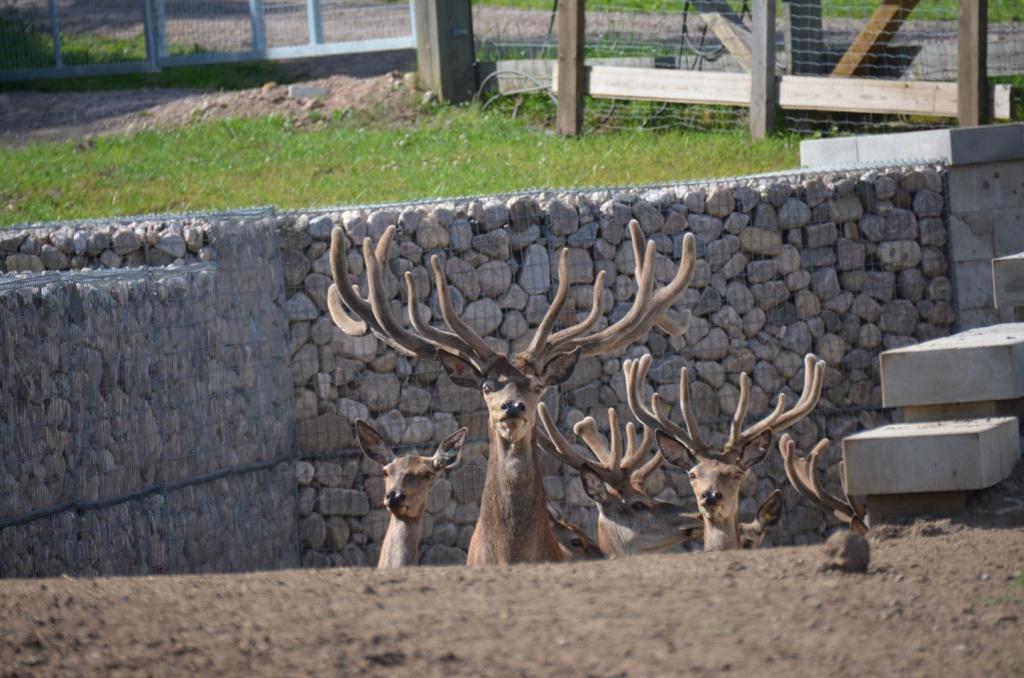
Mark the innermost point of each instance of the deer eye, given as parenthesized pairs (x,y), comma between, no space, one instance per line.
(692,475)
(384,473)
(489,386)
(638,506)
(576,542)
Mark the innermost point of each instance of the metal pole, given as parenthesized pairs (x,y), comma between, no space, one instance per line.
(160,28)
(259,26)
(316,25)
(58,57)
(150,33)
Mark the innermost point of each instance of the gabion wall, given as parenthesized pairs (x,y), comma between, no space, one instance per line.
(148,411)
(145,414)
(844,265)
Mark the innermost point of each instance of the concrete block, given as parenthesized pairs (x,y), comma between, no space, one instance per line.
(887,508)
(828,152)
(974,410)
(970,236)
(924,145)
(1008,281)
(307,92)
(997,185)
(966,454)
(1008,232)
(979,317)
(974,285)
(977,365)
(991,143)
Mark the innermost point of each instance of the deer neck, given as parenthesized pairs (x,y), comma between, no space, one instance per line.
(721,535)
(513,524)
(401,543)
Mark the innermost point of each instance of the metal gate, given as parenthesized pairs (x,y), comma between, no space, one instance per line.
(67,38)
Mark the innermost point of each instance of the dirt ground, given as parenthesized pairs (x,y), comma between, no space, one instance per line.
(938,600)
(354,82)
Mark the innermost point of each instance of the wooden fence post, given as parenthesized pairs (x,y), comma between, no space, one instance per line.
(571,74)
(972,58)
(444,48)
(764,90)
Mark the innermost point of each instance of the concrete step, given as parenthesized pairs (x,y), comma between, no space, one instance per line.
(983,364)
(942,456)
(1008,281)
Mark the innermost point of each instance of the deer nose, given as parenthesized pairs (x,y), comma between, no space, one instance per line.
(514,407)
(711,497)
(394,498)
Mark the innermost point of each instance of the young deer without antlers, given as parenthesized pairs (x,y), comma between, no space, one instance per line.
(407,481)
(802,475)
(513,524)
(716,476)
(573,541)
(629,520)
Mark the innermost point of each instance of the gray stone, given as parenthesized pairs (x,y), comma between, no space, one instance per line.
(460,235)
(910,284)
(720,203)
(705,227)
(125,241)
(770,294)
(898,317)
(522,213)
(845,209)
(334,501)
(483,315)
(173,244)
(760,241)
(761,270)
(933,232)
(825,283)
(821,235)
(561,218)
(739,297)
(794,213)
(494,244)
(649,217)
(928,204)
(495,278)
(797,338)
(328,432)
(765,217)
(535,274)
(807,304)
(898,255)
(880,284)
(312,531)
(464,277)
(847,552)
(849,255)
(379,392)
(714,346)
(432,236)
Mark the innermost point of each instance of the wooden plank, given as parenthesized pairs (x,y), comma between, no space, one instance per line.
(728,28)
(868,95)
(662,84)
(512,75)
(764,93)
(571,36)
(972,62)
(873,38)
(802,92)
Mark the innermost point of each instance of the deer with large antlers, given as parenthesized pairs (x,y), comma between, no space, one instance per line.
(802,474)
(629,520)
(716,475)
(407,481)
(513,525)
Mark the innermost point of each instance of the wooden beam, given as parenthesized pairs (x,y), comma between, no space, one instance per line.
(444,48)
(874,37)
(972,58)
(728,27)
(802,92)
(571,37)
(764,93)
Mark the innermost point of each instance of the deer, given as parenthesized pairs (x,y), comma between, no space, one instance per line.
(407,481)
(572,539)
(716,475)
(629,520)
(802,475)
(513,525)
(752,534)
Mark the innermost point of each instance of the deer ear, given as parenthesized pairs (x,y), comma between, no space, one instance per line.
(372,444)
(459,371)
(593,485)
(674,451)
(555,513)
(449,452)
(560,368)
(770,510)
(755,450)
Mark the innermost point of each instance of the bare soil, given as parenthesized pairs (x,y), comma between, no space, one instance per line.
(938,600)
(356,82)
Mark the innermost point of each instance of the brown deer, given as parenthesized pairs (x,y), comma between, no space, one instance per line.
(407,481)
(768,514)
(513,524)
(716,476)
(802,475)
(629,520)
(573,541)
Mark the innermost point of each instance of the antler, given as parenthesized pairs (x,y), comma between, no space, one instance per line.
(617,470)
(779,419)
(373,313)
(648,309)
(801,472)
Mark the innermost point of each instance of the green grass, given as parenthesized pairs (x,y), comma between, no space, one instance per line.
(356,158)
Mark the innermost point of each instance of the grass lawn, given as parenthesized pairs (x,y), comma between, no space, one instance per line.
(358,158)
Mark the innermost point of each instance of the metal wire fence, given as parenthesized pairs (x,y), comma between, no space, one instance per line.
(849,39)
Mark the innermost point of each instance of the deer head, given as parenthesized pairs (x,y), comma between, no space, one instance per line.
(629,520)
(768,514)
(716,475)
(407,479)
(512,384)
(574,542)
(802,475)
